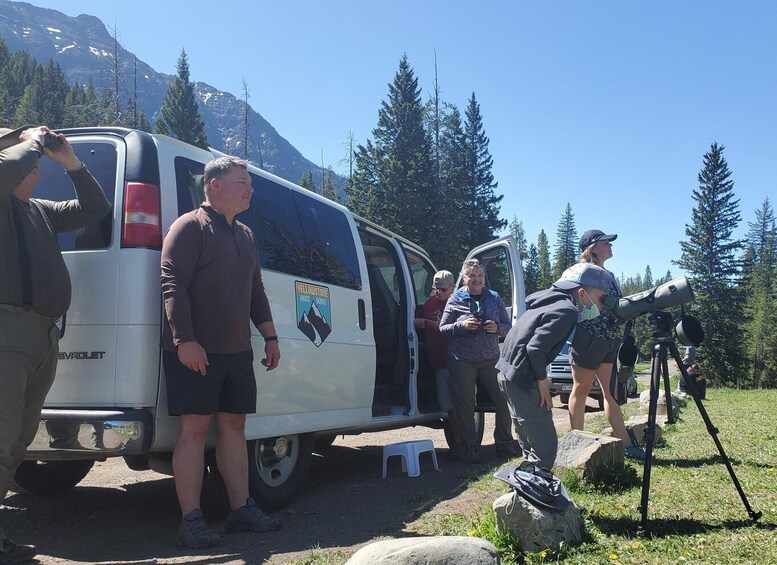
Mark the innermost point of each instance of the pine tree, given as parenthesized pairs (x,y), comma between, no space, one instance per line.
(179,115)
(483,222)
(648,278)
(531,270)
(760,285)
(519,236)
(21,69)
(329,190)
(392,181)
(709,257)
(566,243)
(543,260)
(307,181)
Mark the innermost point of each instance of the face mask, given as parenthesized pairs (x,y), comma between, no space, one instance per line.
(588,312)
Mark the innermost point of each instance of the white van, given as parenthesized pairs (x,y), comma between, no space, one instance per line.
(343,293)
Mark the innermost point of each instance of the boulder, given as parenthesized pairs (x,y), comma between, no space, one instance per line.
(588,455)
(538,528)
(435,550)
(637,425)
(661,410)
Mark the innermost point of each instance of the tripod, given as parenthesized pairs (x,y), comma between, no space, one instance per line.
(662,345)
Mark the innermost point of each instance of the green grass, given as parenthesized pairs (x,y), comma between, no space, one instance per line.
(695,514)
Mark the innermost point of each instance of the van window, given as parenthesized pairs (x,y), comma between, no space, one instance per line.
(275,222)
(100,158)
(497,266)
(188,178)
(329,243)
(422,274)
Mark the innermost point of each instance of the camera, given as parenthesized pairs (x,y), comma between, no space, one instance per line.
(51,140)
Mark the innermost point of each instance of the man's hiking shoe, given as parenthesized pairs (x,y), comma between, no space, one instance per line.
(508,450)
(195,533)
(635,452)
(15,553)
(250,518)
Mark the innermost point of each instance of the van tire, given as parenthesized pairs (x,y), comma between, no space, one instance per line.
(480,425)
(50,477)
(564,397)
(277,467)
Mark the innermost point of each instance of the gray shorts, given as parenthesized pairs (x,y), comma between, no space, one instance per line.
(588,351)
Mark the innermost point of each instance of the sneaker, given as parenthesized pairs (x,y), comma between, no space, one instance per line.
(634,451)
(14,553)
(195,533)
(507,450)
(473,457)
(250,518)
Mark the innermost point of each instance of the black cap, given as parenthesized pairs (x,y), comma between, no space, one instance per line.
(592,236)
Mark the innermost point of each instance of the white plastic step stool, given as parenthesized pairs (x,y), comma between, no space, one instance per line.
(410,452)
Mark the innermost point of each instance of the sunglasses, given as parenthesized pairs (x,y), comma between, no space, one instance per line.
(441,288)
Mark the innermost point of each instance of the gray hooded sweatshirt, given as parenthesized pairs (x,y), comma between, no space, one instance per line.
(538,336)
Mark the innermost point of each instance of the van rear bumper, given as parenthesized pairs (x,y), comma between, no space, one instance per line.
(91,434)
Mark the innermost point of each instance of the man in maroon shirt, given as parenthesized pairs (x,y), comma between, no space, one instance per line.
(212,290)
(437,344)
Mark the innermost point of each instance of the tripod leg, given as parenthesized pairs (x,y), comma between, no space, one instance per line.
(650,433)
(713,431)
(667,390)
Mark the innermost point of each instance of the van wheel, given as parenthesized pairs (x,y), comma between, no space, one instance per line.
(564,398)
(600,400)
(480,425)
(277,467)
(50,477)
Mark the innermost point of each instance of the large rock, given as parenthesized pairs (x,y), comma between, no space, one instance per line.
(538,528)
(661,409)
(588,455)
(637,424)
(437,550)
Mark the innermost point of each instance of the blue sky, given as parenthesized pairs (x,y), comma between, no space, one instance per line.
(609,105)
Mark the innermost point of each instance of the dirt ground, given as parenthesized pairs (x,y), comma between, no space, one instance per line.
(120,516)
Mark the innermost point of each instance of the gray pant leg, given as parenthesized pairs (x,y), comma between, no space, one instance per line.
(533,423)
(29,351)
(463,378)
(487,377)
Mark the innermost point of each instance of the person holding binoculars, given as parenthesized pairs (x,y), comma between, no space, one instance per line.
(473,320)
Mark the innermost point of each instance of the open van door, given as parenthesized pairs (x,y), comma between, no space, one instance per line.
(504,275)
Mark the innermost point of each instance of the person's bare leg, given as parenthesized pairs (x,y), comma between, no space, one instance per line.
(232,457)
(582,379)
(611,407)
(189,460)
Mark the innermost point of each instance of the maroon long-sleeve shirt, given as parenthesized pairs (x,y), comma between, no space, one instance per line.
(211,283)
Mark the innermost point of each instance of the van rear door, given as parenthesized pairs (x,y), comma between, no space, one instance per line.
(87,359)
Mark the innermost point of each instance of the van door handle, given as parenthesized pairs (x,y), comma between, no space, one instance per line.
(362,315)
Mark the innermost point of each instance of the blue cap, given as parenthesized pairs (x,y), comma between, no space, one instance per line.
(585,274)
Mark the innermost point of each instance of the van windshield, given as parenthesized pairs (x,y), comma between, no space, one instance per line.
(100,158)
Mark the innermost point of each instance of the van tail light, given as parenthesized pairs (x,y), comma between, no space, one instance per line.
(142,218)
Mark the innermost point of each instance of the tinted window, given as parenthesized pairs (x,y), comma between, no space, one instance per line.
(100,159)
(497,266)
(329,244)
(276,225)
(422,274)
(188,178)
